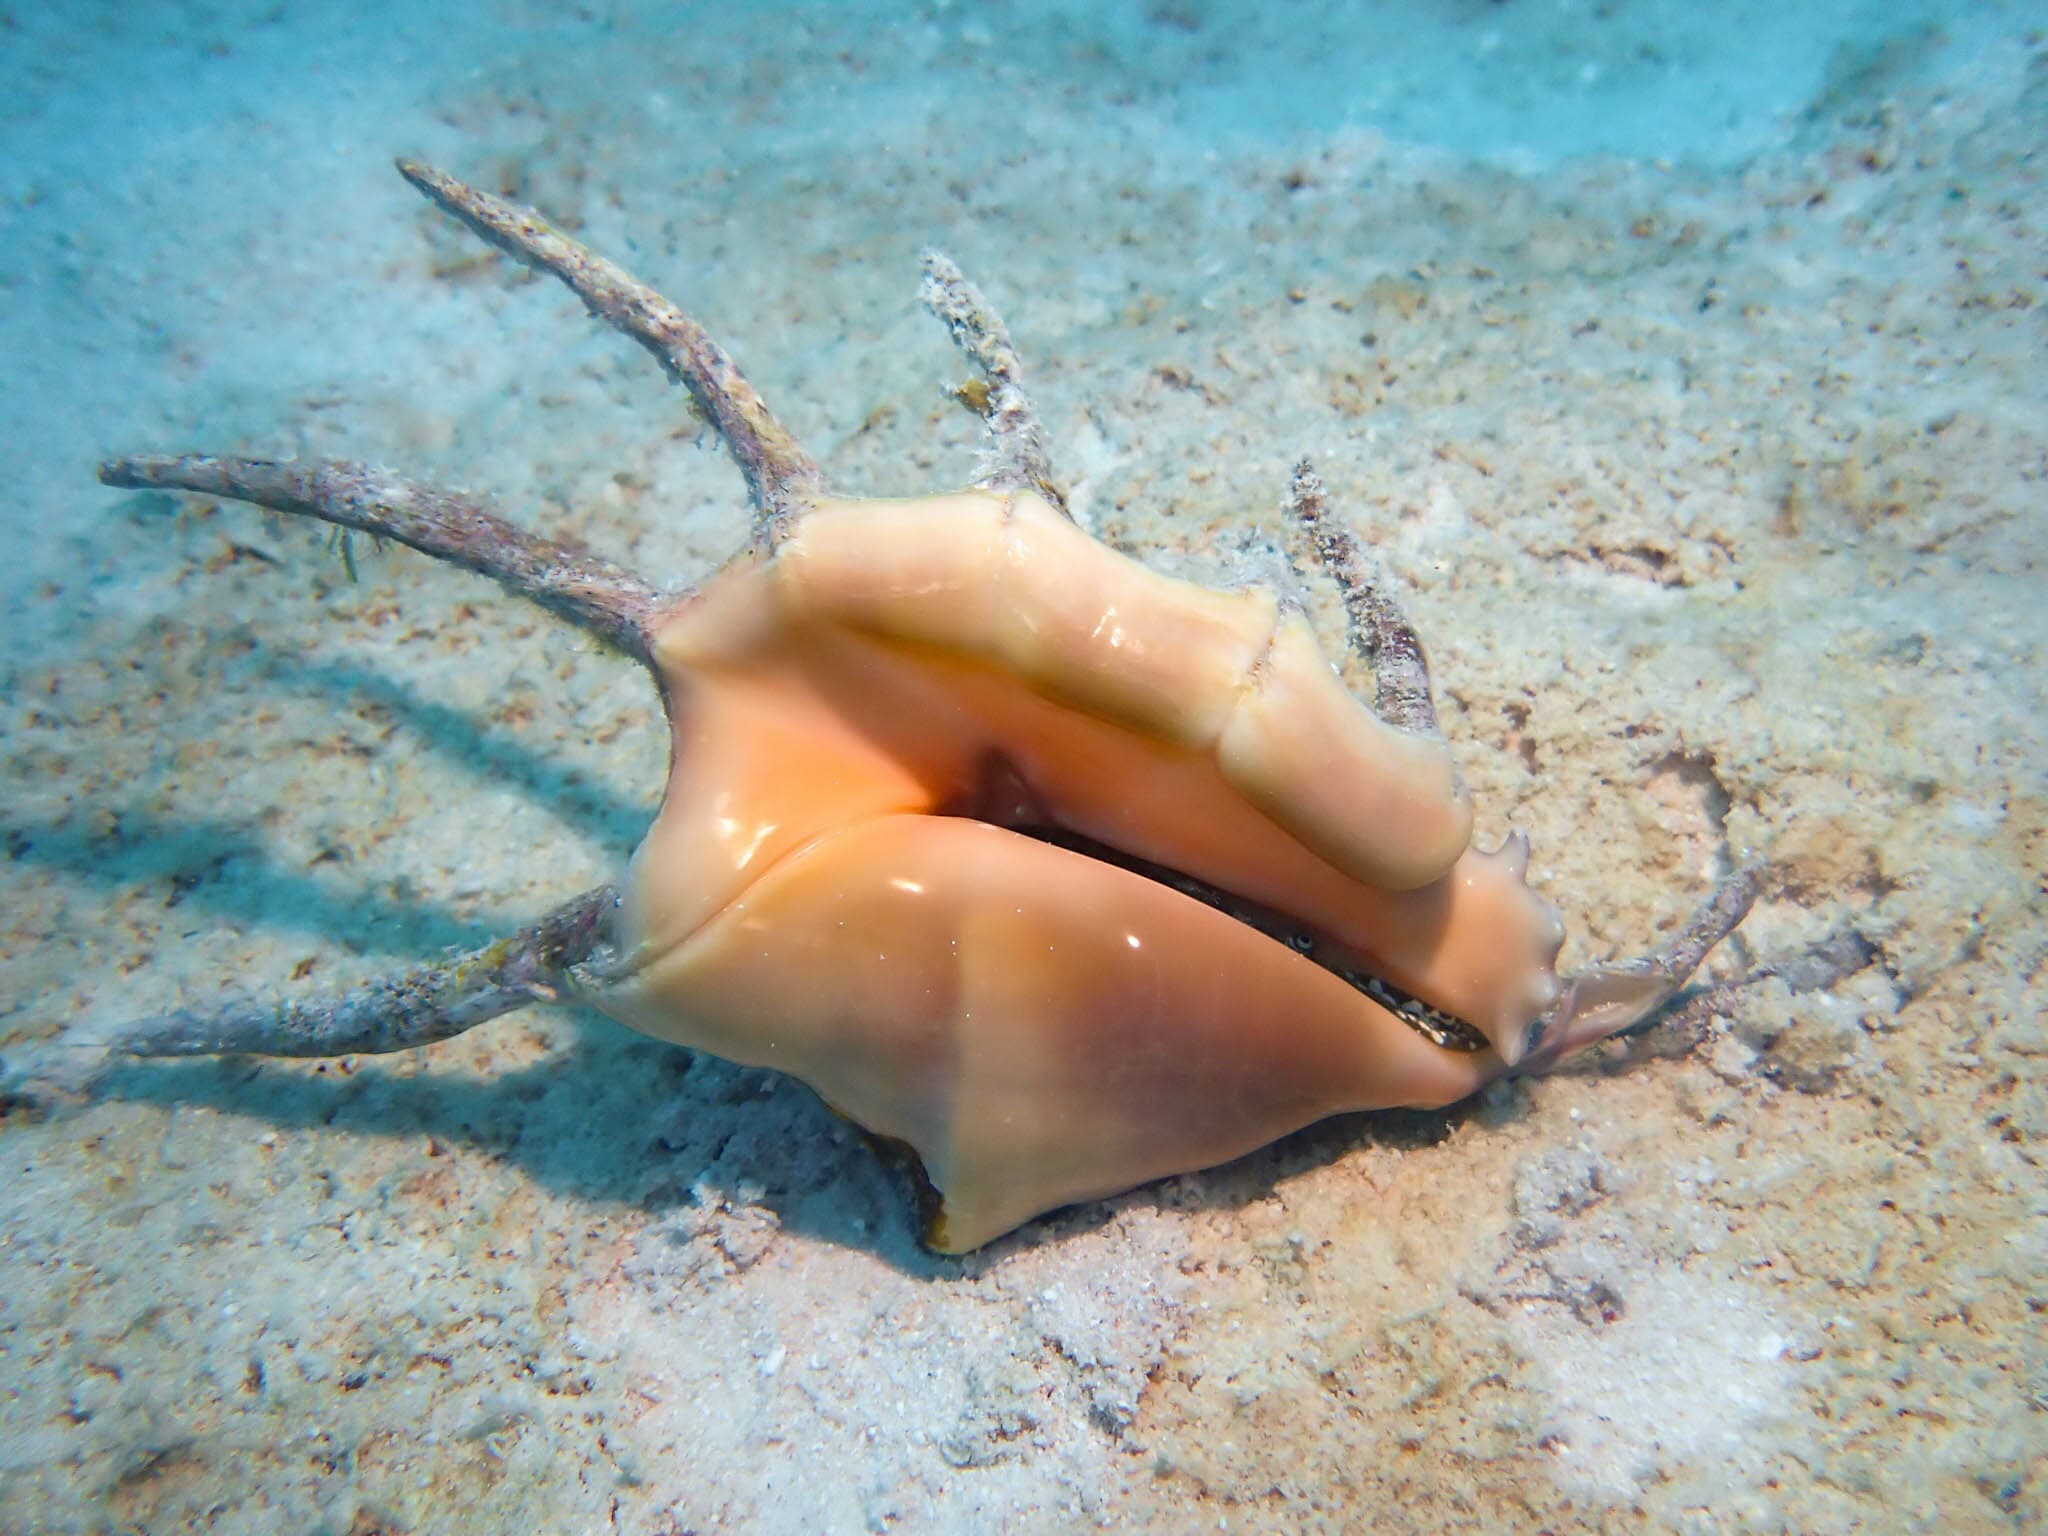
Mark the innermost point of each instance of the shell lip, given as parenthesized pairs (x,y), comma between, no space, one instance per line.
(1434,1024)
(1002,795)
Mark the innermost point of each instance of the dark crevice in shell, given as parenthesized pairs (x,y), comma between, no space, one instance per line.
(1432,1023)
(1002,796)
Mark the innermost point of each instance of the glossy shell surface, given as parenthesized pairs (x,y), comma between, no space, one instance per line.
(918,751)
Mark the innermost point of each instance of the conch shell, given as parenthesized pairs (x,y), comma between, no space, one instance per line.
(1061,872)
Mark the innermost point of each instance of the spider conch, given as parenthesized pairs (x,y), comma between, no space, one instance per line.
(1062,872)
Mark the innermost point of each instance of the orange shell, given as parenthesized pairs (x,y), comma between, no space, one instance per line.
(833,886)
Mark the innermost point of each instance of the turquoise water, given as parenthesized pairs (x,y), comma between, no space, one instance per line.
(1684,366)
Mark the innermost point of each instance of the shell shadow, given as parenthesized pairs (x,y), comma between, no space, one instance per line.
(604,1117)
(597,810)
(222,868)
(610,1118)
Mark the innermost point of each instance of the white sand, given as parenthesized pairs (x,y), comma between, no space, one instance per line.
(1718,482)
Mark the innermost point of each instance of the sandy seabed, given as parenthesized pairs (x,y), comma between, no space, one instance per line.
(1719,488)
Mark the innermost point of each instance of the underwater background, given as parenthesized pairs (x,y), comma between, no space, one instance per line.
(1687,364)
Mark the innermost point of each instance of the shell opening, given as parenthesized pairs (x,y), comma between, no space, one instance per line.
(1434,1024)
